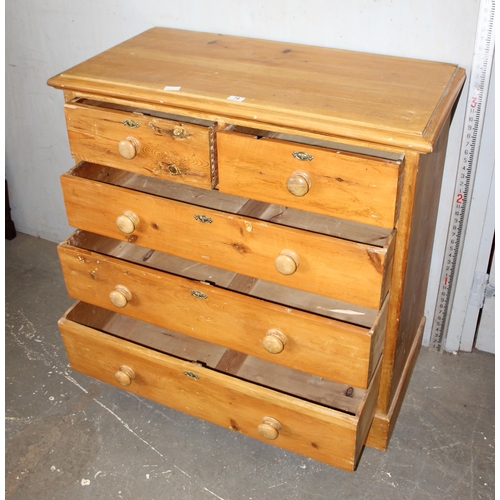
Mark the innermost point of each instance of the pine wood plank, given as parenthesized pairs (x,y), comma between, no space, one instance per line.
(317,345)
(306,428)
(344,185)
(300,384)
(331,226)
(366,420)
(378,330)
(383,423)
(297,299)
(287,380)
(164,340)
(390,151)
(336,268)
(426,203)
(317,304)
(168,149)
(403,226)
(327,225)
(143,111)
(231,362)
(412,253)
(371,97)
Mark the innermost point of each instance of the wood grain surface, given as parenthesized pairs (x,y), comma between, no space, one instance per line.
(389,100)
(344,185)
(340,269)
(316,431)
(167,149)
(318,345)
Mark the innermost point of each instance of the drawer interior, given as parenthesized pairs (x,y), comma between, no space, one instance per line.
(283,379)
(310,175)
(271,292)
(309,141)
(213,199)
(142,111)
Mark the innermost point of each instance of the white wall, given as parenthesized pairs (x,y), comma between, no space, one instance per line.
(45,37)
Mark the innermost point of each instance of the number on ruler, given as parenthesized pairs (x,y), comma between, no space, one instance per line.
(481,69)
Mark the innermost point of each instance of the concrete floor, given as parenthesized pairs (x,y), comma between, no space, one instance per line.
(71,437)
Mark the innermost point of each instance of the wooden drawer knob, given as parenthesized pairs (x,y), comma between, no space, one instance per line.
(127,222)
(269,428)
(274,341)
(125,375)
(129,148)
(298,184)
(120,296)
(287,262)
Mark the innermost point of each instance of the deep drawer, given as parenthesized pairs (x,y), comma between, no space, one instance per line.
(175,148)
(308,177)
(200,301)
(314,417)
(351,271)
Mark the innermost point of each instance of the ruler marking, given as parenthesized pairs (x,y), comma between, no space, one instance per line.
(478,86)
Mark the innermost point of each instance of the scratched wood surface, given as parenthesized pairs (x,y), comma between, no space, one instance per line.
(390,100)
(343,185)
(306,428)
(215,199)
(337,268)
(314,344)
(265,290)
(167,149)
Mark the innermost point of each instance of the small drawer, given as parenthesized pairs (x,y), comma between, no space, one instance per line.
(201,301)
(166,146)
(328,181)
(315,417)
(346,270)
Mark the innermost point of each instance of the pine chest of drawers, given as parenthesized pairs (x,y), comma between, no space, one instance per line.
(254,229)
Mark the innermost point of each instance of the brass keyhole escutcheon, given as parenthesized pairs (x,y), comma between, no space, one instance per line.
(302,156)
(203,219)
(192,375)
(130,123)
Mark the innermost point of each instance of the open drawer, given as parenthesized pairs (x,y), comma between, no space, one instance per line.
(309,175)
(321,336)
(315,417)
(177,148)
(300,250)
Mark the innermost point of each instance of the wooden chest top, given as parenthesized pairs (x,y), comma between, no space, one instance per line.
(392,101)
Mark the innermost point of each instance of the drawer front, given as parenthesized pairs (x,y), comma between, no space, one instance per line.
(148,145)
(345,185)
(318,432)
(347,271)
(314,344)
